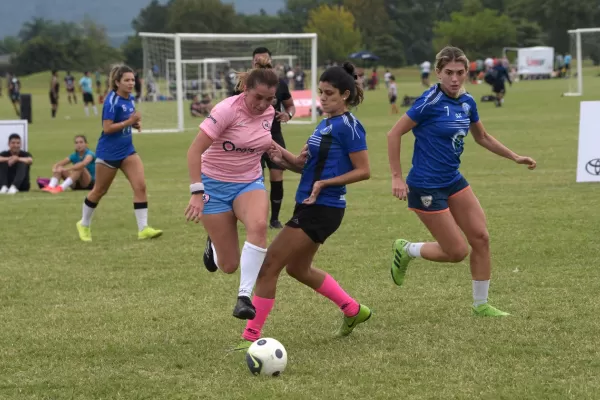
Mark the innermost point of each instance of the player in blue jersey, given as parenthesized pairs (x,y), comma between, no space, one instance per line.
(115,151)
(85,84)
(440,119)
(80,175)
(335,156)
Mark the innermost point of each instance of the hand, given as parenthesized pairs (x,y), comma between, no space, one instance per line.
(318,185)
(282,116)
(399,188)
(301,159)
(135,117)
(275,153)
(137,126)
(195,207)
(12,160)
(58,169)
(530,162)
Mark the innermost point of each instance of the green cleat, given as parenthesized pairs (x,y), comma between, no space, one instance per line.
(149,233)
(244,345)
(485,310)
(349,323)
(85,233)
(400,261)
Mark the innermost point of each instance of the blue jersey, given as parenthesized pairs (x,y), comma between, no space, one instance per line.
(329,149)
(118,145)
(442,124)
(86,84)
(91,167)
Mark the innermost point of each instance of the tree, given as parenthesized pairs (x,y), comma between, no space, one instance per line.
(338,37)
(153,18)
(201,16)
(34,28)
(295,14)
(9,45)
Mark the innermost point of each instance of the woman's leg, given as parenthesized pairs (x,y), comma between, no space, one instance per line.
(251,208)
(471,219)
(80,178)
(133,168)
(222,230)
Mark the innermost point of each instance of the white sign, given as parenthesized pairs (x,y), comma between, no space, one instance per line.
(588,157)
(536,61)
(7,128)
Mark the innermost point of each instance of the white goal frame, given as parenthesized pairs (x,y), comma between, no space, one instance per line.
(579,58)
(177,38)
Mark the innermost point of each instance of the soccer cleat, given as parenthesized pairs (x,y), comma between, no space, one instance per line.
(3,190)
(149,233)
(54,190)
(275,224)
(485,310)
(400,261)
(349,323)
(85,233)
(244,345)
(244,309)
(12,190)
(209,257)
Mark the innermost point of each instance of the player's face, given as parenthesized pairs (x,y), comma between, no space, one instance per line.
(452,76)
(332,101)
(259,56)
(126,83)
(14,145)
(80,144)
(260,98)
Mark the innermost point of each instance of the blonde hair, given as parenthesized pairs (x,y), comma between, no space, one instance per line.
(262,73)
(116,74)
(451,54)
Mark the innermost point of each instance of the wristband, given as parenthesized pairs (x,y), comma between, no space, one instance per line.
(197,188)
(291,115)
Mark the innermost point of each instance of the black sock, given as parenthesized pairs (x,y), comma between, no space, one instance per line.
(276,198)
(53,113)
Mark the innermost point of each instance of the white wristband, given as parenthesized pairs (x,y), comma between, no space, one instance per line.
(197,188)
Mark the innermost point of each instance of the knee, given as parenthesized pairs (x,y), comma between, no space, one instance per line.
(257,229)
(294,273)
(227,266)
(457,253)
(139,187)
(98,192)
(480,240)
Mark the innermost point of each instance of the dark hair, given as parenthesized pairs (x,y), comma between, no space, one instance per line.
(116,74)
(262,73)
(345,78)
(81,136)
(261,50)
(13,136)
(54,72)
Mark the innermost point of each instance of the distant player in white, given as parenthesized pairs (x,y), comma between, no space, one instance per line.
(425,70)
(489,63)
(386,78)
(393,94)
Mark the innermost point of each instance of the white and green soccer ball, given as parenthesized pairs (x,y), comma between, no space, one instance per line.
(266,356)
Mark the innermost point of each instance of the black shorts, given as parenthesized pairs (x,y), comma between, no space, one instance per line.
(425,75)
(393,100)
(265,161)
(317,221)
(15,97)
(114,164)
(88,98)
(78,186)
(53,99)
(434,200)
(71,90)
(499,87)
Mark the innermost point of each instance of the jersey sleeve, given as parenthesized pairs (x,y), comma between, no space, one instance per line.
(353,136)
(109,110)
(473,114)
(284,90)
(5,154)
(220,118)
(73,158)
(422,108)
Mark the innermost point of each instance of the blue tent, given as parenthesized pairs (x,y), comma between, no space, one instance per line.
(364,55)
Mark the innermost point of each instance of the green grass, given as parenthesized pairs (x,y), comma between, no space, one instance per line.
(123,319)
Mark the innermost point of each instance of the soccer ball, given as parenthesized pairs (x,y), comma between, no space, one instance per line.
(266,356)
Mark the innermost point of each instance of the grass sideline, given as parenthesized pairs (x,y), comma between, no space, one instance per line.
(122,319)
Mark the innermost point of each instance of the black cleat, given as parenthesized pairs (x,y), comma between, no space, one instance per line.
(244,308)
(275,224)
(209,257)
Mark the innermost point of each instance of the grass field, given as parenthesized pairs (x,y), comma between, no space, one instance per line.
(123,319)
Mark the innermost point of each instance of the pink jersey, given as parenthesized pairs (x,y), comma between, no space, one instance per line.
(239,140)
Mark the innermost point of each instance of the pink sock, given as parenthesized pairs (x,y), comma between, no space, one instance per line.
(254,326)
(334,292)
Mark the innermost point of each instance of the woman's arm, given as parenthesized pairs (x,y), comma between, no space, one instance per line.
(492,144)
(80,165)
(194,156)
(109,126)
(404,125)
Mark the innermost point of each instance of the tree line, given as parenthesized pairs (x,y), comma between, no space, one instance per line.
(400,32)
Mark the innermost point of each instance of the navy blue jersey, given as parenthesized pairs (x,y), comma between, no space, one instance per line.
(118,145)
(442,124)
(329,149)
(501,73)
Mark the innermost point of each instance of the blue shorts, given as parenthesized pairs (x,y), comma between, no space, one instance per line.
(219,195)
(434,200)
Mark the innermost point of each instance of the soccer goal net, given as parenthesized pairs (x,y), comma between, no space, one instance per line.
(584,54)
(182,68)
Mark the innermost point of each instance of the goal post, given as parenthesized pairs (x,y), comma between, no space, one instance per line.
(178,66)
(584,48)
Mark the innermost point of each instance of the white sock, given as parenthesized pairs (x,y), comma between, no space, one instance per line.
(53,182)
(66,184)
(86,218)
(212,246)
(141,215)
(87,111)
(414,249)
(480,292)
(95,110)
(250,263)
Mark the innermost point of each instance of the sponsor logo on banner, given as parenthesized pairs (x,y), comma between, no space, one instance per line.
(588,157)
(303,103)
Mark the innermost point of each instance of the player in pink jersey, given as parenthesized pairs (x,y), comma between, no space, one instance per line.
(227,183)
